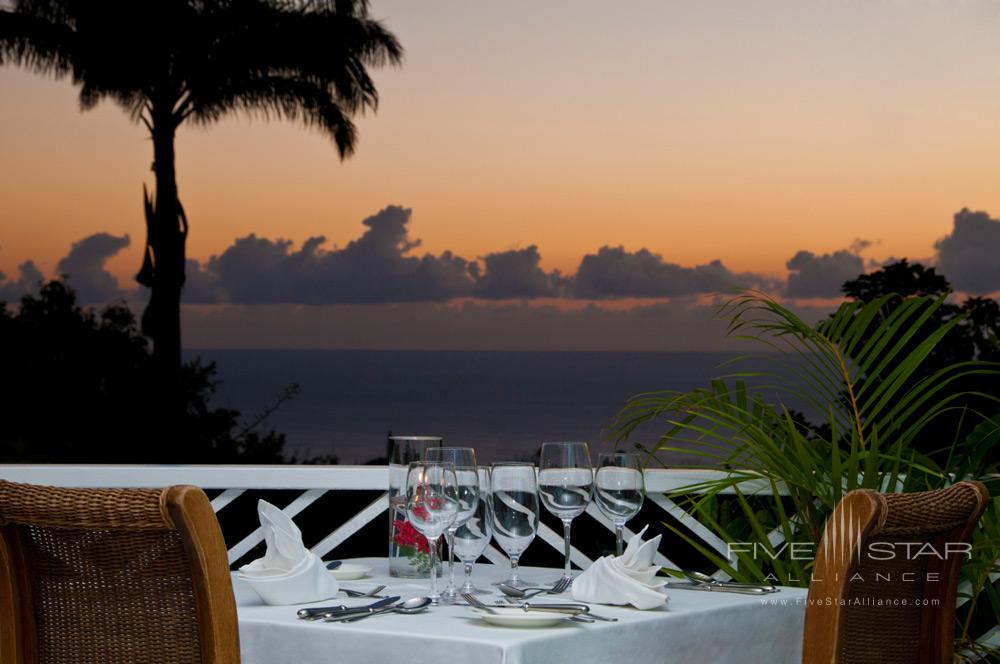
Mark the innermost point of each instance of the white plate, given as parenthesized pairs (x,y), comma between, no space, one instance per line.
(514,617)
(349,572)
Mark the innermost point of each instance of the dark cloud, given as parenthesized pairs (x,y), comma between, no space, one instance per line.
(29,276)
(374,268)
(821,276)
(970,256)
(84,267)
(615,273)
(200,285)
(515,274)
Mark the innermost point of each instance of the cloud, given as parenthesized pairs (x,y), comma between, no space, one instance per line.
(615,273)
(968,257)
(200,285)
(515,274)
(822,276)
(374,268)
(84,267)
(29,276)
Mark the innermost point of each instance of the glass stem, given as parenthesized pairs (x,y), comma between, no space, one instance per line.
(513,567)
(433,551)
(450,538)
(468,575)
(619,537)
(566,547)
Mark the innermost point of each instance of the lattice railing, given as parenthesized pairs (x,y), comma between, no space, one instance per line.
(311,483)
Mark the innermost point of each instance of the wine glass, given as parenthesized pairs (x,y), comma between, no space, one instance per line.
(565,484)
(619,489)
(473,536)
(514,496)
(431,505)
(464,460)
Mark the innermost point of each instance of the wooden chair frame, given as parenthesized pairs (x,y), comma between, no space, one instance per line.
(860,517)
(184,509)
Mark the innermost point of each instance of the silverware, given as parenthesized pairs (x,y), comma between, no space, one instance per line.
(317,612)
(572,609)
(580,610)
(527,593)
(472,600)
(374,592)
(698,577)
(712,587)
(412,605)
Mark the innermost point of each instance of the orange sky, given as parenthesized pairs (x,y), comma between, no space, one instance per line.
(701,130)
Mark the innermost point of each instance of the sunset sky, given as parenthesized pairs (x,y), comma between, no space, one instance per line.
(743,132)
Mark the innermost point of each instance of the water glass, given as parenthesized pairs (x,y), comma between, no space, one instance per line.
(565,484)
(432,506)
(514,498)
(473,536)
(407,557)
(619,490)
(464,460)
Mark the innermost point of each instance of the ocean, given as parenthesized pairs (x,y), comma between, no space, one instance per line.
(505,404)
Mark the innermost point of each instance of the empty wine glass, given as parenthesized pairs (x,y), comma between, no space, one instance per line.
(464,460)
(619,489)
(431,505)
(473,536)
(565,484)
(515,511)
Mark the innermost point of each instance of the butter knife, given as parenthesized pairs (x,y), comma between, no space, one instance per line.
(317,612)
(719,588)
(572,609)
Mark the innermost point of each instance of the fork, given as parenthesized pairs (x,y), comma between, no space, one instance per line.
(560,586)
(475,601)
(358,593)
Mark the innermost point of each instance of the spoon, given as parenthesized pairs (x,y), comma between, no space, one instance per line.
(698,577)
(412,605)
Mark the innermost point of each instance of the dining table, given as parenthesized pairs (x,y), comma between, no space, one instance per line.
(694,626)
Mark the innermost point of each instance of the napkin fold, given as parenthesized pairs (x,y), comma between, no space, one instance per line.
(626,579)
(288,573)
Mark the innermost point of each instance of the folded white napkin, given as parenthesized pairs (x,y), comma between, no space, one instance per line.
(626,579)
(288,573)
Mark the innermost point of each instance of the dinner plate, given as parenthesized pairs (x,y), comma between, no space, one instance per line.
(515,617)
(350,571)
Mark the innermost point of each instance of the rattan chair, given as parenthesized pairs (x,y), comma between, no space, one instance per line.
(884,584)
(113,576)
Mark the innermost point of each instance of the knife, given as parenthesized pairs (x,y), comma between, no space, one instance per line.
(719,588)
(342,610)
(575,610)
(363,612)
(557,608)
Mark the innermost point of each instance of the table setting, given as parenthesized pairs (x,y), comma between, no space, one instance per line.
(292,607)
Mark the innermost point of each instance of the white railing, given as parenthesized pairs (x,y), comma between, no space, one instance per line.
(314,481)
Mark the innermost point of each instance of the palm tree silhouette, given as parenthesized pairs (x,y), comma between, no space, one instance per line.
(167,62)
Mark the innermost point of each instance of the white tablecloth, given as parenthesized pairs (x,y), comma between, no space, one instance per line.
(694,627)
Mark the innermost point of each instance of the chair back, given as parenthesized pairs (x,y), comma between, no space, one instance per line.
(885,580)
(113,575)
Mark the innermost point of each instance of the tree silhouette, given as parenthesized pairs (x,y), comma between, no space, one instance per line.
(974,336)
(167,62)
(75,391)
